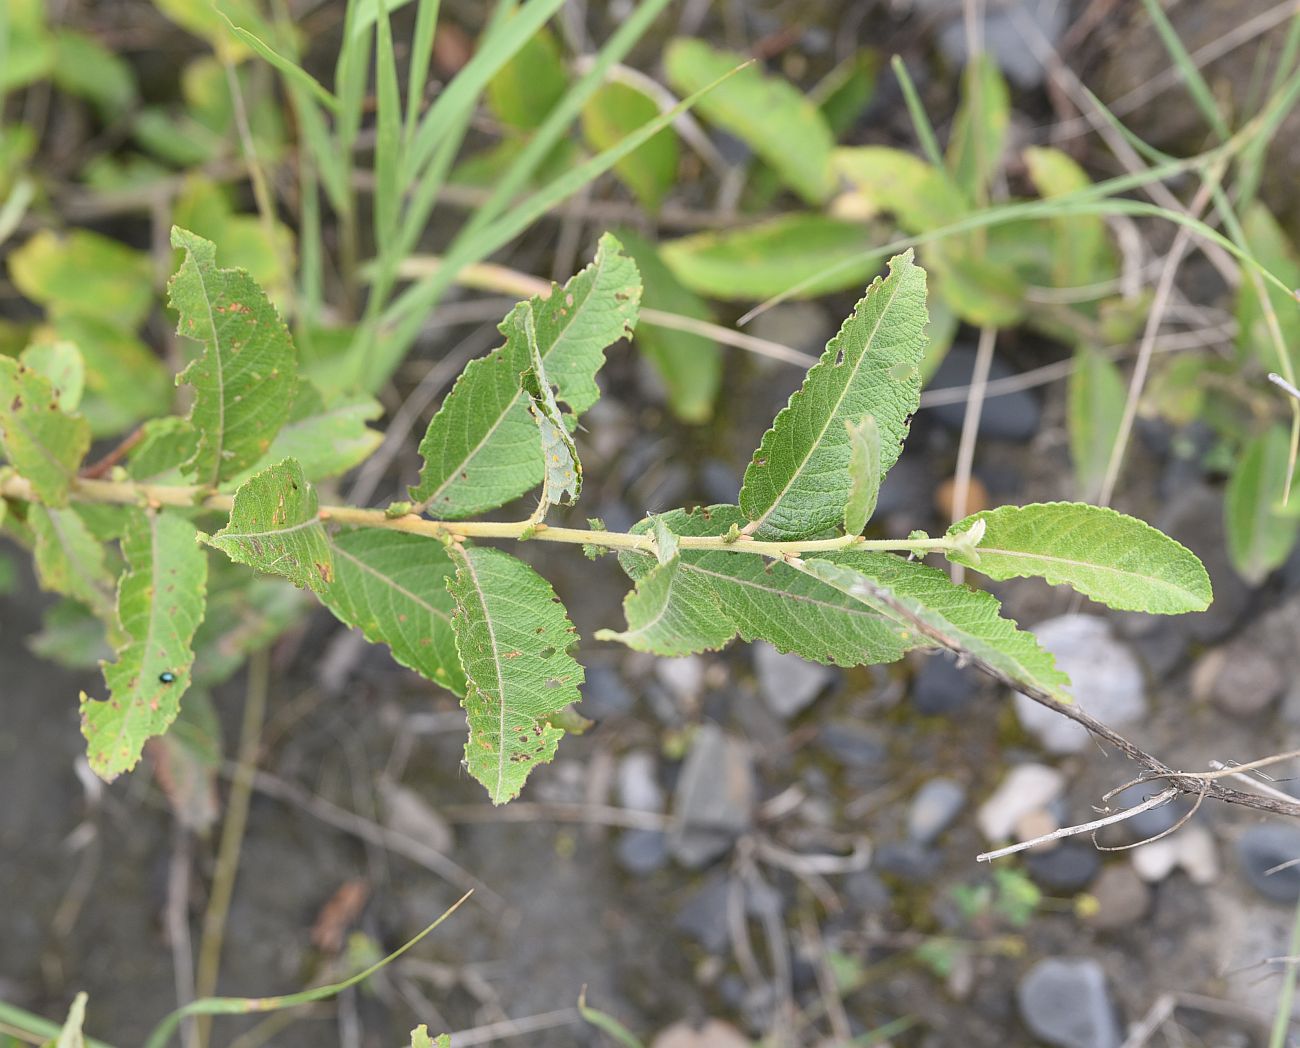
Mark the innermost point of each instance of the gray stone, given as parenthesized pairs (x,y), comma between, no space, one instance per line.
(703,916)
(642,852)
(1105,680)
(855,745)
(1006,416)
(1265,846)
(638,782)
(934,808)
(942,687)
(1248,680)
(910,861)
(684,677)
(714,801)
(788,683)
(1122,898)
(1027,788)
(1005,40)
(605,695)
(1067,868)
(1065,1002)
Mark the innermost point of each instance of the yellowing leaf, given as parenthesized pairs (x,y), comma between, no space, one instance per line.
(84,273)
(41,441)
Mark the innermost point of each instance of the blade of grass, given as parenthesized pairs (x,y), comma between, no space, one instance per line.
(245,1005)
(920,119)
(407,312)
(561,118)
(1282,1016)
(19,1019)
(287,66)
(388,130)
(1251,165)
(1196,85)
(606,1023)
(417,74)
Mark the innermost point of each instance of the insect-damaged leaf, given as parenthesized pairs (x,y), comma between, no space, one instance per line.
(160,603)
(43,443)
(513,637)
(562,472)
(864,474)
(244,380)
(481,449)
(274,528)
(799,480)
(393,587)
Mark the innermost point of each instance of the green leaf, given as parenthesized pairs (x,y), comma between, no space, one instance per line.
(1261,534)
(799,481)
(290,69)
(160,603)
(420,1038)
(956,617)
(393,587)
(768,113)
(767,259)
(481,449)
(672,611)
(528,86)
(274,528)
(165,444)
(86,274)
(245,379)
(70,1035)
(562,472)
(84,67)
(690,365)
(921,197)
(1114,559)
(125,381)
(61,365)
(70,560)
(204,207)
(771,600)
(43,443)
(1096,409)
(979,130)
(615,111)
(513,638)
(327,441)
(864,474)
(1267,242)
(1083,254)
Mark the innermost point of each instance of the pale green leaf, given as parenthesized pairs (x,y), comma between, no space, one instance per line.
(772,601)
(768,113)
(864,474)
(562,472)
(327,440)
(393,587)
(204,207)
(1096,410)
(160,603)
(799,481)
(165,444)
(481,449)
(690,365)
(615,111)
(420,1038)
(125,381)
(61,364)
(40,440)
(955,617)
(212,20)
(1269,245)
(527,87)
(513,638)
(84,67)
(70,1034)
(245,379)
(979,130)
(1114,559)
(274,527)
(1261,534)
(70,560)
(919,196)
(769,258)
(1083,253)
(84,273)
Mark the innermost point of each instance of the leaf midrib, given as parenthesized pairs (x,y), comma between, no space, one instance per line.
(1152,580)
(467,560)
(220,370)
(834,412)
(369,568)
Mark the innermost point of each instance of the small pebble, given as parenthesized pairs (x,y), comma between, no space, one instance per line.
(1265,846)
(788,683)
(934,808)
(1065,869)
(1122,898)
(942,687)
(1065,1002)
(1027,788)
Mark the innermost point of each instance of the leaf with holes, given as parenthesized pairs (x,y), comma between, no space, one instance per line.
(513,638)
(393,587)
(955,617)
(799,480)
(41,441)
(274,528)
(481,449)
(160,603)
(244,380)
(1114,559)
